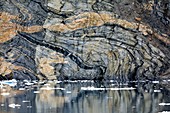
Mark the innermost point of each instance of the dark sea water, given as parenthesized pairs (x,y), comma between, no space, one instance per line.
(84,97)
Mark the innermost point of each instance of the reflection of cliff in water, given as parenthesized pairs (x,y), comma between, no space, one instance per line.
(85,98)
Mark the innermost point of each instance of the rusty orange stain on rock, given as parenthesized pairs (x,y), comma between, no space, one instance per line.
(9,29)
(162,38)
(138,19)
(89,19)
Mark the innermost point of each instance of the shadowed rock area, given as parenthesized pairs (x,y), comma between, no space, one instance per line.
(84,39)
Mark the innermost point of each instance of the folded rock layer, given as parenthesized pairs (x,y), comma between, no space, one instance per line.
(88,39)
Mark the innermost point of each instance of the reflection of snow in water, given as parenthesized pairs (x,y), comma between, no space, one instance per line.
(5,94)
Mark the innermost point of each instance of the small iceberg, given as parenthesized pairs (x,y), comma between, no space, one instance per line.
(12,83)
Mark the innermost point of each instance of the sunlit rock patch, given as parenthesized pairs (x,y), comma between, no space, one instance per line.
(46,60)
(6,68)
(9,29)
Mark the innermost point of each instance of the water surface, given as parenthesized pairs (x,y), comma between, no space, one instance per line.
(84,97)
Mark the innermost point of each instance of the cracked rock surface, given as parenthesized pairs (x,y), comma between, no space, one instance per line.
(84,39)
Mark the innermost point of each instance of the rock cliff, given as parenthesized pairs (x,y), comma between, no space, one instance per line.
(84,39)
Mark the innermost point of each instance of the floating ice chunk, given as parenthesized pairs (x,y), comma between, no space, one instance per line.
(12,82)
(164,104)
(14,105)
(25,101)
(36,91)
(21,88)
(68,92)
(2,104)
(58,81)
(125,88)
(93,88)
(155,82)
(164,112)
(157,90)
(29,83)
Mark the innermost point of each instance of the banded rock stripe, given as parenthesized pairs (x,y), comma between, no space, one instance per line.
(125,54)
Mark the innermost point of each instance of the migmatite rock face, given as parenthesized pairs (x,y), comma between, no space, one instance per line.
(78,39)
